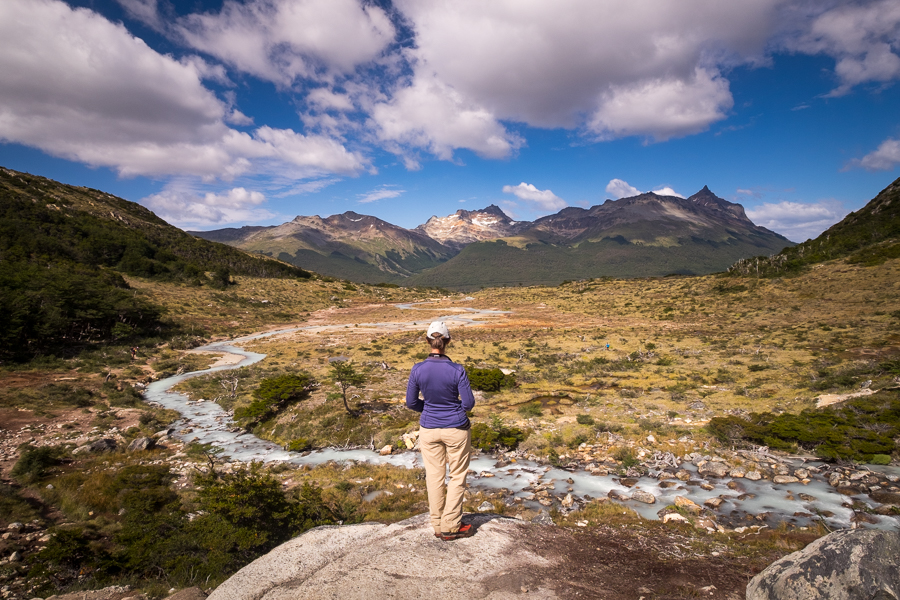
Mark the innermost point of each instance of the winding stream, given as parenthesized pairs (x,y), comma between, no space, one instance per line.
(207,422)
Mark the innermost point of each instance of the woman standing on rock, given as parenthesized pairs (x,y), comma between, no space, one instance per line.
(445,436)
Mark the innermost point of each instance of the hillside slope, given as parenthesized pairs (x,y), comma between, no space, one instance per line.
(63,249)
(868,236)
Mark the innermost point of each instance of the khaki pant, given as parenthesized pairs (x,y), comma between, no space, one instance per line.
(440,448)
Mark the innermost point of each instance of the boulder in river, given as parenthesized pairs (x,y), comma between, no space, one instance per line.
(713,468)
(852,564)
(642,496)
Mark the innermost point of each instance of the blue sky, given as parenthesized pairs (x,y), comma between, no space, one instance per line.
(219,114)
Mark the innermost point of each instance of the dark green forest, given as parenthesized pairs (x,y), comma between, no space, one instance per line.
(63,249)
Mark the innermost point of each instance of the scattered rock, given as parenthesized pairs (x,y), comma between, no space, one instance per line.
(737,472)
(674,518)
(849,564)
(141,443)
(568,501)
(801,473)
(785,479)
(485,506)
(642,496)
(753,475)
(715,469)
(682,475)
(714,502)
(386,450)
(191,593)
(542,518)
(628,481)
(688,505)
(103,445)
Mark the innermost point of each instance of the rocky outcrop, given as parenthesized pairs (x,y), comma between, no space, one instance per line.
(402,560)
(845,565)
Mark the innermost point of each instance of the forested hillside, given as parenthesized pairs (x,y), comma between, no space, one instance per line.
(868,236)
(62,249)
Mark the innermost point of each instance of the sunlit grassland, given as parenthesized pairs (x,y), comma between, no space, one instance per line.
(682,349)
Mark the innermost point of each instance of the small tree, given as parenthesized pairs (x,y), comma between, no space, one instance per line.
(276,393)
(345,375)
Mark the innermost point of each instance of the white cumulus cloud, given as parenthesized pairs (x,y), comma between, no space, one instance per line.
(862,37)
(183,206)
(286,40)
(884,158)
(543,199)
(619,188)
(795,220)
(77,86)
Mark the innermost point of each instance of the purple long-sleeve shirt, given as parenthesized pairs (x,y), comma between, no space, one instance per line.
(445,387)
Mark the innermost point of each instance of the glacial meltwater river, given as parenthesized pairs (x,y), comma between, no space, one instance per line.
(209,423)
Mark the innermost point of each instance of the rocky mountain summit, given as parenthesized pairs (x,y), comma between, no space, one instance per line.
(465,227)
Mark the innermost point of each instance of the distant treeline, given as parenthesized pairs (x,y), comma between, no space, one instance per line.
(60,248)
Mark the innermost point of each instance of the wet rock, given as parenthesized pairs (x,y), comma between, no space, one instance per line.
(807,497)
(707,486)
(663,475)
(682,475)
(882,497)
(600,472)
(844,565)
(858,475)
(568,501)
(617,495)
(667,484)
(734,485)
(688,505)
(801,473)
(863,517)
(785,479)
(714,469)
(834,479)
(628,481)
(714,503)
(847,490)
(753,475)
(642,496)
(141,443)
(737,472)
(782,469)
(386,450)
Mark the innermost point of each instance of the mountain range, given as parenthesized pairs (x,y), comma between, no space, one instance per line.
(640,236)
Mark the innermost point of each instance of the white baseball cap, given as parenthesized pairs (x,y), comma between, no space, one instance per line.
(438,327)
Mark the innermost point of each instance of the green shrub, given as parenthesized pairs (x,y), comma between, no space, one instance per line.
(626,457)
(584,420)
(35,462)
(276,393)
(880,459)
(497,435)
(489,380)
(299,445)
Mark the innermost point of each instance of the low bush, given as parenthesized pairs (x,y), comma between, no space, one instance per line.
(35,462)
(531,409)
(489,380)
(497,435)
(859,429)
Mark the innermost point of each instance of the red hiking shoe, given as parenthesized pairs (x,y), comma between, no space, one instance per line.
(464,532)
